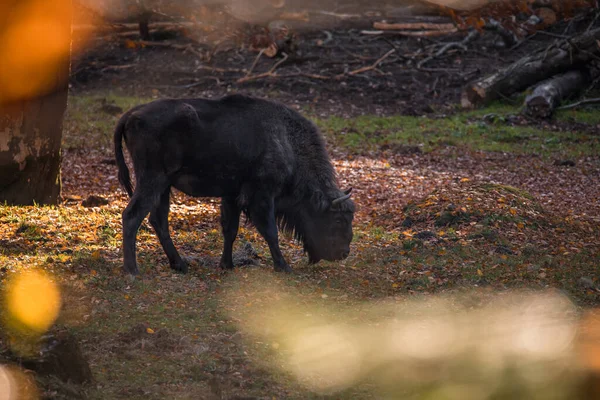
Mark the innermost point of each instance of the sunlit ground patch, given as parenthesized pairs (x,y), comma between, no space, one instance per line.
(518,343)
(16,385)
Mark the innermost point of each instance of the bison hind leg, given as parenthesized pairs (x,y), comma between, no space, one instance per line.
(141,203)
(159,219)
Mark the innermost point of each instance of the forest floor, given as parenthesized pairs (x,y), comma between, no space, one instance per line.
(448,201)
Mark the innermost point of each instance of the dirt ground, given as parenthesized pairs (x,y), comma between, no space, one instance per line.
(210,61)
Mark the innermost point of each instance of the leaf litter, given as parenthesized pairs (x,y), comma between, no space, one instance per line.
(426,223)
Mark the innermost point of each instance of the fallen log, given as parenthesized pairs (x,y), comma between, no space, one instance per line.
(548,95)
(570,54)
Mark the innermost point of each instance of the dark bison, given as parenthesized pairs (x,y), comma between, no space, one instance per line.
(260,157)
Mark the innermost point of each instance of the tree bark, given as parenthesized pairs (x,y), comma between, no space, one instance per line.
(548,94)
(570,54)
(30,140)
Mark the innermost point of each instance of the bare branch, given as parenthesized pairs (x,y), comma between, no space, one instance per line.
(414,26)
(369,67)
(461,45)
(580,103)
(260,53)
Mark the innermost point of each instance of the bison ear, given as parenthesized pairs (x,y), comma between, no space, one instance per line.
(320,201)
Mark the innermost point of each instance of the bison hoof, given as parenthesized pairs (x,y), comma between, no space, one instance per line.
(226,266)
(284,268)
(132,272)
(180,267)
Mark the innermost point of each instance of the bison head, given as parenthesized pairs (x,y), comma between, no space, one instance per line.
(328,231)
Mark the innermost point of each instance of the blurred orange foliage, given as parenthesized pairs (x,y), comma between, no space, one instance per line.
(505,10)
(35,47)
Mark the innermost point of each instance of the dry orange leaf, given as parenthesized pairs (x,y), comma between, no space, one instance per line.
(130,44)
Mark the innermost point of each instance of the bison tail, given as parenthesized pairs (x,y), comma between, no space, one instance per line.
(124,177)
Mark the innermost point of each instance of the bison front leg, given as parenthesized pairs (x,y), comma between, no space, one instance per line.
(230,222)
(159,219)
(262,215)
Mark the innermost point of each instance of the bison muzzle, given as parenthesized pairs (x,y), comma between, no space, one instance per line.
(260,157)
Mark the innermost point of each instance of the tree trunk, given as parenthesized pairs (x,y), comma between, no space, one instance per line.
(30,137)
(548,95)
(529,70)
(143,25)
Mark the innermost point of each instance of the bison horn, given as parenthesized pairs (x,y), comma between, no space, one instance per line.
(346,196)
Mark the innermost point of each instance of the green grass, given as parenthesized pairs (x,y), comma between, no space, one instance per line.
(483,130)
(86,125)
(586,115)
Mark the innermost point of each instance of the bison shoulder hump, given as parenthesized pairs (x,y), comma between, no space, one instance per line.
(238,99)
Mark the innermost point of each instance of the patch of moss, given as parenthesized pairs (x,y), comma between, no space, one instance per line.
(487,130)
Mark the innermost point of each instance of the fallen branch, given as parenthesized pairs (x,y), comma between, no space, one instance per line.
(444,49)
(150,43)
(579,104)
(372,33)
(338,15)
(428,33)
(369,67)
(549,94)
(117,67)
(269,73)
(534,68)
(328,39)
(414,26)
(294,16)
(217,69)
(127,34)
(508,37)
(199,81)
(432,33)
(260,53)
(283,76)
(178,46)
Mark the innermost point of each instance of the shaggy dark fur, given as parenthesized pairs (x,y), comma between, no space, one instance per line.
(260,157)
